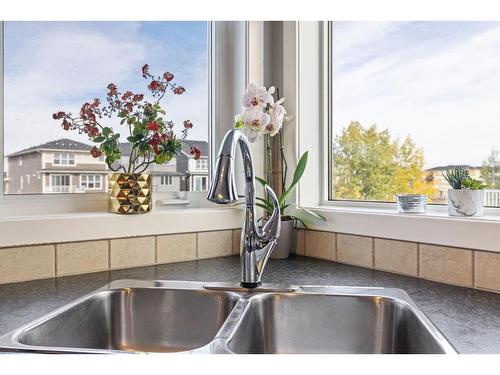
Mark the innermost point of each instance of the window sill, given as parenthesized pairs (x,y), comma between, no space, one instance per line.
(482,233)
(86,226)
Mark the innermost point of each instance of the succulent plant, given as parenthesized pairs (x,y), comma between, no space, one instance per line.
(459,178)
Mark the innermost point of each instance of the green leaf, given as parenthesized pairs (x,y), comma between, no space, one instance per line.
(297,175)
(299,220)
(264,207)
(266,202)
(313,214)
(261,181)
(98,139)
(106,131)
(132,139)
(122,121)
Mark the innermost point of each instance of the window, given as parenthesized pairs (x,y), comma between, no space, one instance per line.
(200,183)
(63,158)
(90,181)
(166,180)
(60,183)
(115,52)
(201,164)
(408,100)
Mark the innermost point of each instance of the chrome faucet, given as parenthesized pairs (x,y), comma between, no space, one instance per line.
(256,245)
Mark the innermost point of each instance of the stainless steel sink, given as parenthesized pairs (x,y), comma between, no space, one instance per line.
(174,316)
(322,323)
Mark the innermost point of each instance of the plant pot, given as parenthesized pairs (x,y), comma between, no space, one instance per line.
(285,242)
(465,202)
(130,193)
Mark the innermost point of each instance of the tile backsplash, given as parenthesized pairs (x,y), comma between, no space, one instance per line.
(464,267)
(25,263)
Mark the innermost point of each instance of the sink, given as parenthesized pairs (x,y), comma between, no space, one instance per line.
(131,316)
(135,319)
(315,323)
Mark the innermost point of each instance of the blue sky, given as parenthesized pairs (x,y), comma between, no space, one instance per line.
(59,65)
(439,82)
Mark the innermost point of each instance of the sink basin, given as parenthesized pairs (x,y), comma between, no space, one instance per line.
(315,323)
(135,319)
(183,316)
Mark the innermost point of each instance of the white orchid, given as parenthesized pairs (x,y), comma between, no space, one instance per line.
(258,96)
(277,113)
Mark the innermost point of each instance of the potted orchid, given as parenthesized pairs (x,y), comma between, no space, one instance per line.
(152,138)
(264,116)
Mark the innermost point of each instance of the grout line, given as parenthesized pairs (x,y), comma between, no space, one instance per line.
(418,259)
(197,242)
(156,249)
(473,268)
(373,252)
(55,259)
(109,254)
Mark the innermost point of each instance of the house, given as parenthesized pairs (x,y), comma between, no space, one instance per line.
(435,175)
(66,166)
(179,174)
(59,166)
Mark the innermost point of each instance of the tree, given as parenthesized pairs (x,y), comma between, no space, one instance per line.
(369,165)
(490,171)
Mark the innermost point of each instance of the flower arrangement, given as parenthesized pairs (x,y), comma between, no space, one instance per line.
(459,178)
(263,115)
(152,136)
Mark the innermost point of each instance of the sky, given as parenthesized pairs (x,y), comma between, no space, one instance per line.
(51,66)
(438,82)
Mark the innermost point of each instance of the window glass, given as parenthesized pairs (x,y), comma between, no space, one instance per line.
(52,66)
(409,100)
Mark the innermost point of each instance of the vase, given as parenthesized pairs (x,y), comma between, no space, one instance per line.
(465,202)
(130,193)
(285,241)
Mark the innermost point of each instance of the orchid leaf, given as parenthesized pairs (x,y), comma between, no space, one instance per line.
(299,171)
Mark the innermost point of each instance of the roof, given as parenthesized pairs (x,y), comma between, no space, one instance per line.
(58,144)
(126,148)
(451,166)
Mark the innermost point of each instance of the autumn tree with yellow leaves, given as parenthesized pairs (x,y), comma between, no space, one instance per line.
(369,165)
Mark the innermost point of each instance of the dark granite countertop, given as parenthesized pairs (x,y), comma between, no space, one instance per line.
(470,319)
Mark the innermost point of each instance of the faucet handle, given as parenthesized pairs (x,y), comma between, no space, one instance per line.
(272,228)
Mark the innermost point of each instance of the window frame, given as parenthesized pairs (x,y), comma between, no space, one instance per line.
(166,180)
(228,47)
(327,185)
(94,182)
(69,158)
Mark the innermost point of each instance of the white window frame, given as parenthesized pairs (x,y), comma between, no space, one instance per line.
(60,175)
(229,43)
(64,158)
(201,164)
(308,76)
(97,179)
(166,180)
(200,179)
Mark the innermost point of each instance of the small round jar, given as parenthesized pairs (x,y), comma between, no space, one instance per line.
(412,203)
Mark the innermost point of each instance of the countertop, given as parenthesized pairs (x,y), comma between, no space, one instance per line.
(470,319)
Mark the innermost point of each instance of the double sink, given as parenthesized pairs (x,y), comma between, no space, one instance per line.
(132,316)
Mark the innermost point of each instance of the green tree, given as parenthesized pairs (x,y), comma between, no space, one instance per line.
(490,170)
(369,165)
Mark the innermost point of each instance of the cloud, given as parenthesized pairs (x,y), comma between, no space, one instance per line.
(444,95)
(53,65)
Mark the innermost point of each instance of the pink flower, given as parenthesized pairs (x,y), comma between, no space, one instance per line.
(179,90)
(153,126)
(95,152)
(168,76)
(188,124)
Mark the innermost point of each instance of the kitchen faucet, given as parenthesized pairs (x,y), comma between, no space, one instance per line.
(256,245)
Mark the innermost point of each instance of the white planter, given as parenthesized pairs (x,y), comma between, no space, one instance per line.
(465,202)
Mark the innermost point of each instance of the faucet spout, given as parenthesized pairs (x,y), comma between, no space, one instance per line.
(256,245)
